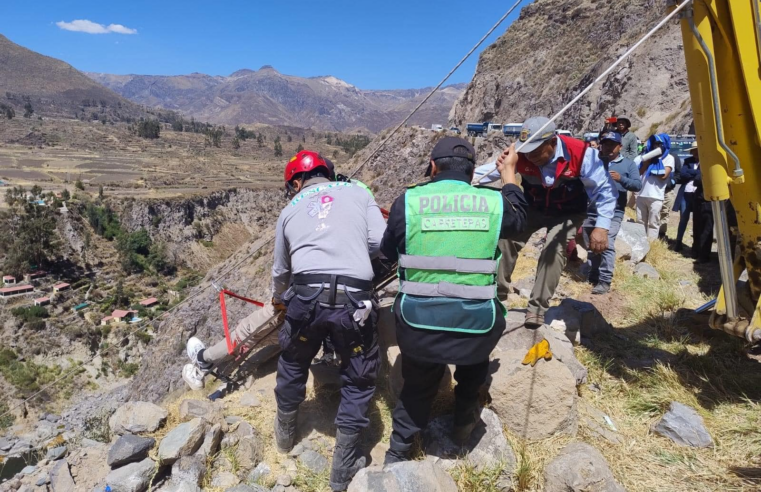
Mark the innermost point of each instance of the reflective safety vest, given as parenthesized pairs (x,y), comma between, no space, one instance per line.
(363,186)
(448,274)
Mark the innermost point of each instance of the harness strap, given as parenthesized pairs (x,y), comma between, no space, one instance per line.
(332,281)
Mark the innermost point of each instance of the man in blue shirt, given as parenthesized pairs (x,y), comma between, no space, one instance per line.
(625,174)
(560,176)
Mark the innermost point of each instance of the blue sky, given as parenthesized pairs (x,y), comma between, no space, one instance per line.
(373,45)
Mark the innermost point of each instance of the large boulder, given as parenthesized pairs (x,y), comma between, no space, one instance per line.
(518,340)
(211,440)
(128,449)
(60,478)
(579,468)
(646,270)
(409,476)
(134,477)
(136,417)
(534,402)
(684,426)
(183,440)
(486,448)
(579,317)
(631,242)
(248,453)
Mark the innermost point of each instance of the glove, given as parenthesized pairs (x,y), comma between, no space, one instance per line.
(278,304)
(539,351)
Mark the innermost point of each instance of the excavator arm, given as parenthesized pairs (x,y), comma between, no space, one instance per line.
(722,48)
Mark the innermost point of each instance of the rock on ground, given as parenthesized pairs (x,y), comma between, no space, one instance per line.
(128,449)
(204,409)
(60,478)
(249,453)
(579,468)
(631,242)
(180,487)
(535,402)
(135,417)
(314,461)
(247,488)
(486,448)
(646,270)
(684,426)
(189,469)
(134,477)
(183,440)
(409,476)
(224,480)
(520,339)
(579,317)
(211,441)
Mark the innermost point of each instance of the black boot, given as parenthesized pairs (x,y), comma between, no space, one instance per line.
(285,430)
(466,416)
(346,464)
(397,452)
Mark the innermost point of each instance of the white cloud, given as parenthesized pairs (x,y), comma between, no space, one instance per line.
(90,27)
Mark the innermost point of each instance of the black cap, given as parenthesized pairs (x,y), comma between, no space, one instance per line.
(452,147)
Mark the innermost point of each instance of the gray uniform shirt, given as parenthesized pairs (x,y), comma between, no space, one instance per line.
(629,147)
(328,228)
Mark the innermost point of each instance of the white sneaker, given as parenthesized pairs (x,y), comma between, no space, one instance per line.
(193,376)
(194,346)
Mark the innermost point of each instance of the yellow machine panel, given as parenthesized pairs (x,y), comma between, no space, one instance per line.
(722,47)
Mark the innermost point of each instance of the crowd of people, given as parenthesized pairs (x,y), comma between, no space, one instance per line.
(456,242)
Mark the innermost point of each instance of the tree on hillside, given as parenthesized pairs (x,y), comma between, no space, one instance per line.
(35,242)
(36,191)
(213,137)
(65,195)
(236,143)
(260,141)
(148,129)
(330,139)
(79,185)
(289,139)
(278,149)
(100,192)
(7,111)
(28,110)
(299,148)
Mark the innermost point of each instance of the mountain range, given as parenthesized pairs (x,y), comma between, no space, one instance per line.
(270,97)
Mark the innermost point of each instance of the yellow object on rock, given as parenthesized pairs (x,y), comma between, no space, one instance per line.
(539,351)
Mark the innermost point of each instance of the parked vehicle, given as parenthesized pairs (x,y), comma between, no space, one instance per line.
(591,136)
(680,145)
(455,130)
(437,128)
(494,127)
(477,129)
(564,133)
(512,129)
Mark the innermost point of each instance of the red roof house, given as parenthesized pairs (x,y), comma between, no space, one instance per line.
(12,291)
(151,301)
(61,286)
(42,301)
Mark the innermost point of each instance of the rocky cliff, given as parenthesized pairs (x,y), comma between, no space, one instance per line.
(558,47)
(202,231)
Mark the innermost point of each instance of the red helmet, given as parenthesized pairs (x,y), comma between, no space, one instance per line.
(304,161)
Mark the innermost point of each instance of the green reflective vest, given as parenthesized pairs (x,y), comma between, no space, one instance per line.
(450,265)
(363,186)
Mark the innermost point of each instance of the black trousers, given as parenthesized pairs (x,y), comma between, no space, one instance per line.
(702,229)
(421,383)
(307,324)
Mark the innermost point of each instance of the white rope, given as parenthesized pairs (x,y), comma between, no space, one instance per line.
(599,78)
(474,48)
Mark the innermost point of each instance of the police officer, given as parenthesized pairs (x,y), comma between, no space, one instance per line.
(444,234)
(324,242)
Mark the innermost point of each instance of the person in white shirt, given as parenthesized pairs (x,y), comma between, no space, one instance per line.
(655,175)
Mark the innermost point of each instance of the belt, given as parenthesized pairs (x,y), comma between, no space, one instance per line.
(327,292)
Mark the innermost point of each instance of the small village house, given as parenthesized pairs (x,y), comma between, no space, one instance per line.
(118,316)
(16,290)
(149,303)
(9,280)
(61,287)
(42,301)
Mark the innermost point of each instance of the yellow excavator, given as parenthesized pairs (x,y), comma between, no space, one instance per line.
(722,47)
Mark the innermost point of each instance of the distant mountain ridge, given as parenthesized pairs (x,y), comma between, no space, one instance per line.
(55,88)
(266,96)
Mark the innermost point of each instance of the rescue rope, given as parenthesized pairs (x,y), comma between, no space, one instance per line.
(599,78)
(433,91)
